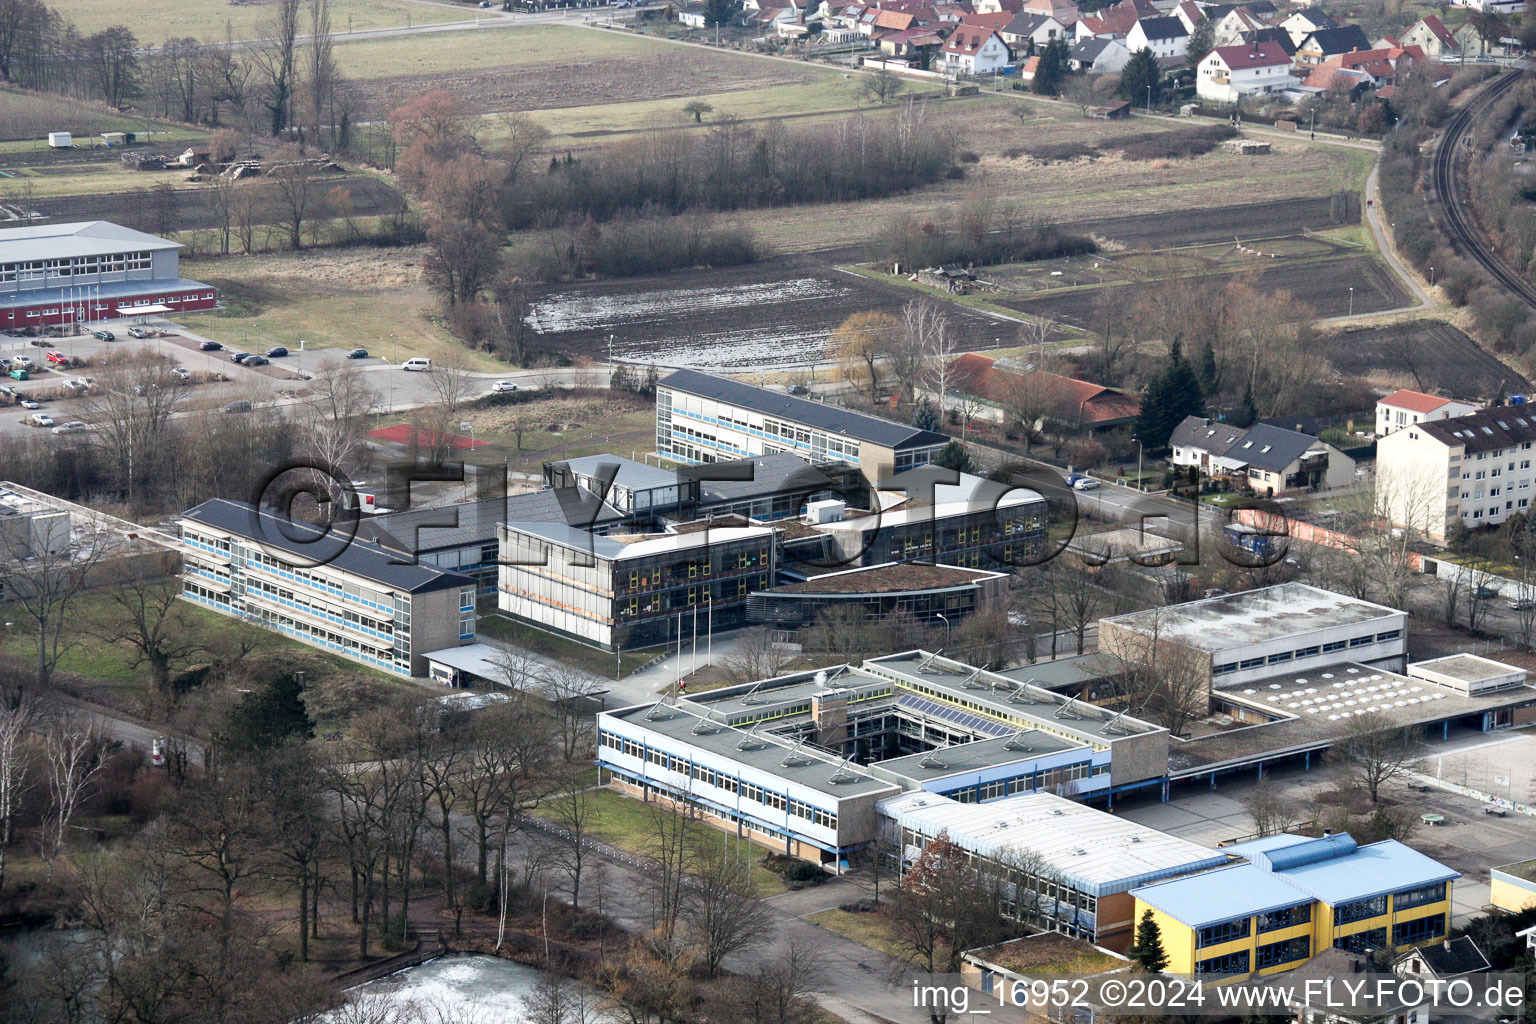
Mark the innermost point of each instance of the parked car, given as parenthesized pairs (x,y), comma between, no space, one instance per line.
(79,383)
(209,346)
(40,343)
(21,361)
(28,403)
(104,335)
(58,358)
(1487,593)
(139,332)
(358,353)
(72,427)
(799,389)
(181,373)
(502,386)
(6,389)
(239,357)
(1086,483)
(254,361)
(240,406)
(1523,604)
(276,352)
(418,364)
(18,373)
(39,419)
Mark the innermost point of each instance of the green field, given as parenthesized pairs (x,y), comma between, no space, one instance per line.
(154,21)
(487,49)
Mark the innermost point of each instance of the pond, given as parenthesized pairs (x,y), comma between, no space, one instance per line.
(469,987)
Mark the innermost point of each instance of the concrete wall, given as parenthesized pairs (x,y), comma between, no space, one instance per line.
(434,625)
(1138,758)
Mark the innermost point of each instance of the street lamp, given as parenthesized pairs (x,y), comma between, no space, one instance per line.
(1149,98)
(1138,462)
(1431,277)
(946,627)
(1351,300)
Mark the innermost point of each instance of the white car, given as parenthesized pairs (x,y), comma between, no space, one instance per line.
(181,373)
(72,427)
(27,403)
(503,386)
(1087,483)
(39,419)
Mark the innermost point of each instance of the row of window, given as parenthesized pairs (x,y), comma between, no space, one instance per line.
(37,270)
(1332,647)
(1359,910)
(1028,783)
(1277,953)
(1286,917)
(1223,931)
(1408,933)
(1231,963)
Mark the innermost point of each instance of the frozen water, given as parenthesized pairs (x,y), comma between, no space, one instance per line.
(469,987)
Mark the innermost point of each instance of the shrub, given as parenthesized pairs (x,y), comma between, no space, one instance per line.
(970,157)
(1178,144)
(1062,152)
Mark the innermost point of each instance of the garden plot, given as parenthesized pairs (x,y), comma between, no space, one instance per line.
(1421,354)
(766,316)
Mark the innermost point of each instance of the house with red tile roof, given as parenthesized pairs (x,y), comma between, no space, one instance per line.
(1430,35)
(999,6)
(1067,403)
(996,21)
(974,50)
(1404,408)
(1363,67)
(1229,73)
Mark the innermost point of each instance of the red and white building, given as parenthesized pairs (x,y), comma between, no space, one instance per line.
(1404,408)
(91,270)
(1229,73)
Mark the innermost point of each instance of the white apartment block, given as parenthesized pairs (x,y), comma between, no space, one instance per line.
(1474,468)
(1403,408)
(329,590)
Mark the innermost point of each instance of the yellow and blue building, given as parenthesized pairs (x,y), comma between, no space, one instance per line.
(1296,897)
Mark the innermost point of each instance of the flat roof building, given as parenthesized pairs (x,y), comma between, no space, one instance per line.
(326,589)
(1296,897)
(704,418)
(90,270)
(1469,674)
(910,591)
(1248,636)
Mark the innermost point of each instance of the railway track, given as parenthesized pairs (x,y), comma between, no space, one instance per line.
(1449,189)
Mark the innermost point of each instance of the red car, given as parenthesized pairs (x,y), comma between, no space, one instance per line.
(58,358)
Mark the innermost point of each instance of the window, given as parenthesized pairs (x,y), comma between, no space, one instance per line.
(1286,917)
(1359,942)
(1418,897)
(1232,963)
(1337,645)
(1361,641)
(1359,910)
(1275,659)
(1250,663)
(1308,652)
(1391,634)
(1421,930)
(1226,931)
(1277,953)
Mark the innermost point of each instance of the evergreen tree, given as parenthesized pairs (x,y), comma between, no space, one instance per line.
(621,379)
(1201,42)
(269,715)
(1139,76)
(1172,395)
(1210,376)
(1053,69)
(1247,412)
(926,416)
(954,456)
(648,385)
(1147,951)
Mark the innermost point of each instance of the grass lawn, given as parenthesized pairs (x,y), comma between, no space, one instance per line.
(872,930)
(599,663)
(591,422)
(625,822)
(828,95)
(453,53)
(81,180)
(153,21)
(339,299)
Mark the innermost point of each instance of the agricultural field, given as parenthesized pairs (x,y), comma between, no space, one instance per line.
(1420,354)
(544,67)
(772,314)
(369,298)
(27,118)
(154,21)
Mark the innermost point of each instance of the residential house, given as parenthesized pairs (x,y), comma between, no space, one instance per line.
(1494,6)
(998,6)
(1064,11)
(1472,43)
(1189,13)
(994,22)
(1403,408)
(916,45)
(1272,34)
(1363,68)
(1237,23)
(1430,35)
(1165,37)
(1442,961)
(1318,46)
(1029,31)
(1304,22)
(1303,991)
(974,50)
(1075,405)
(695,15)
(1268,459)
(1229,73)
(1099,55)
(874,21)
(1475,468)
(950,14)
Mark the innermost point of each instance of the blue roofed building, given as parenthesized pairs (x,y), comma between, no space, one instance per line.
(1295,897)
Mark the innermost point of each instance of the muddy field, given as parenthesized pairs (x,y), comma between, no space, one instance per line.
(1421,354)
(370,198)
(587,83)
(1323,285)
(1247,222)
(764,317)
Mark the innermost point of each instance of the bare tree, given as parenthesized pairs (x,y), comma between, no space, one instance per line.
(573,812)
(1375,752)
(45,583)
(135,395)
(922,325)
(671,831)
(755,656)
(721,904)
(148,619)
(1268,810)
(276,61)
(17,718)
(71,759)
(881,87)
(334,417)
(298,187)
(573,697)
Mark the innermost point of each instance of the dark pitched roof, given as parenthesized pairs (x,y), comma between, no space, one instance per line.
(1025,23)
(780,472)
(474,522)
(1318,17)
(1337,40)
(1272,448)
(1089,49)
(1486,430)
(310,545)
(816,414)
(1207,435)
(1271,35)
(1296,421)
(1450,958)
(1163,28)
